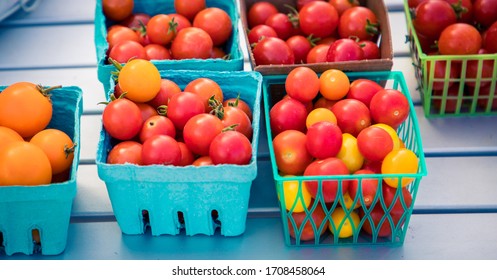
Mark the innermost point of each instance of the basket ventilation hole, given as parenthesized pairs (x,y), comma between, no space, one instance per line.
(181,220)
(35,235)
(145,219)
(215,217)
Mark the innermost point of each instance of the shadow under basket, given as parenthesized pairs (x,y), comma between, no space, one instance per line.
(196,199)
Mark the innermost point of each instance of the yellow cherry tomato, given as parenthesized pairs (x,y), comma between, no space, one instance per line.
(334,84)
(140,80)
(395,137)
(343,224)
(297,197)
(400,161)
(349,153)
(348,202)
(319,115)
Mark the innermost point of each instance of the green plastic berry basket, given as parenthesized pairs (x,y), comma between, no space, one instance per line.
(458,93)
(46,208)
(304,228)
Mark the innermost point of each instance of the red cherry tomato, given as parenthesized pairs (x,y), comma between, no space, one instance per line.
(125,152)
(302,84)
(230,147)
(485,12)
(286,114)
(199,132)
(157,125)
(260,31)
(259,12)
(216,22)
(290,152)
(281,23)
(168,88)
(183,106)
(122,52)
(432,17)
(374,143)
(159,29)
(324,139)
(366,188)
(272,50)
(187,157)
(304,229)
(117,10)
(358,22)
(318,53)
(352,116)
(300,46)
(189,8)
(490,38)
(318,18)
(235,116)
(459,39)
(389,106)
(344,50)
(161,149)
(191,42)
(119,33)
(363,90)
(329,188)
(157,52)
(122,119)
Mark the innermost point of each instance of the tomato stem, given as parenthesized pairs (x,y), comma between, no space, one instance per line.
(217,107)
(69,150)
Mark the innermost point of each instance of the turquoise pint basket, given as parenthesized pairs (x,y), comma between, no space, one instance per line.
(313,225)
(198,200)
(46,208)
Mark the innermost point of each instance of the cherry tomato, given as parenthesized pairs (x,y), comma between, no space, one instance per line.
(490,38)
(123,52)
(272,50)
(374,143)
(439,70)
(157,52)
(324,139)
(161,149)
(290,152)
(235,116)
(192,42)
(24,164)
(463,9)
(187,157)
(206,88)
(286,114)
(259,12)
(297,197)
(344,224)
(281,23)
(122,119)
(302,83)
(140,79)
(389,106)
(377,223)
(199,132)
(342,5)
(349,153)
(125,152)
(450,99)
(324,103)
(301,46)
(159,29)
(168,88)
(203,161)
(219,29)
(366,188)
(329,188)
(358,22)
(487,72)
(318,115)
(484,98)
(230,147)
(352,116)
(239,103)
(183,106)
(317,53)
(157,125)
(400,161)
(397,143)
(58,147)
(363,90)
(189,8)
(370,49)
(179,21)
(136,20)
(117,10)
(459,39)
(260,31)
(334,84)
(25,108)
(397,201)
(305,227)
(118,33)
(344,50)
(432,17)
(8,135)
(485,12)
(318,18)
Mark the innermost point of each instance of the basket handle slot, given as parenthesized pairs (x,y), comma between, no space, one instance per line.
(215,217)
(145,219)
(36,237)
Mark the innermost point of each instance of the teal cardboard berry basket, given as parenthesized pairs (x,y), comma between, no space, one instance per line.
(46,208)
(312,226)
(196,200)
(232,48)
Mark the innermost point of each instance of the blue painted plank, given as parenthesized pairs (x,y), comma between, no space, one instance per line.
(429,237)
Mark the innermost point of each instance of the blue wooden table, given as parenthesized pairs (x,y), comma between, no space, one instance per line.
(455,213)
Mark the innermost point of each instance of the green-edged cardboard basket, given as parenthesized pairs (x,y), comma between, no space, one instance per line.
(385,231)
(198,200)
(450,95)
(46,208)
(154,7)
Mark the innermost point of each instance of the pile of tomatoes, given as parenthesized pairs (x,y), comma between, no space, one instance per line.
(193,31)
(328,126)
(458,27)
(316,31)
(31,154)
(154,121)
